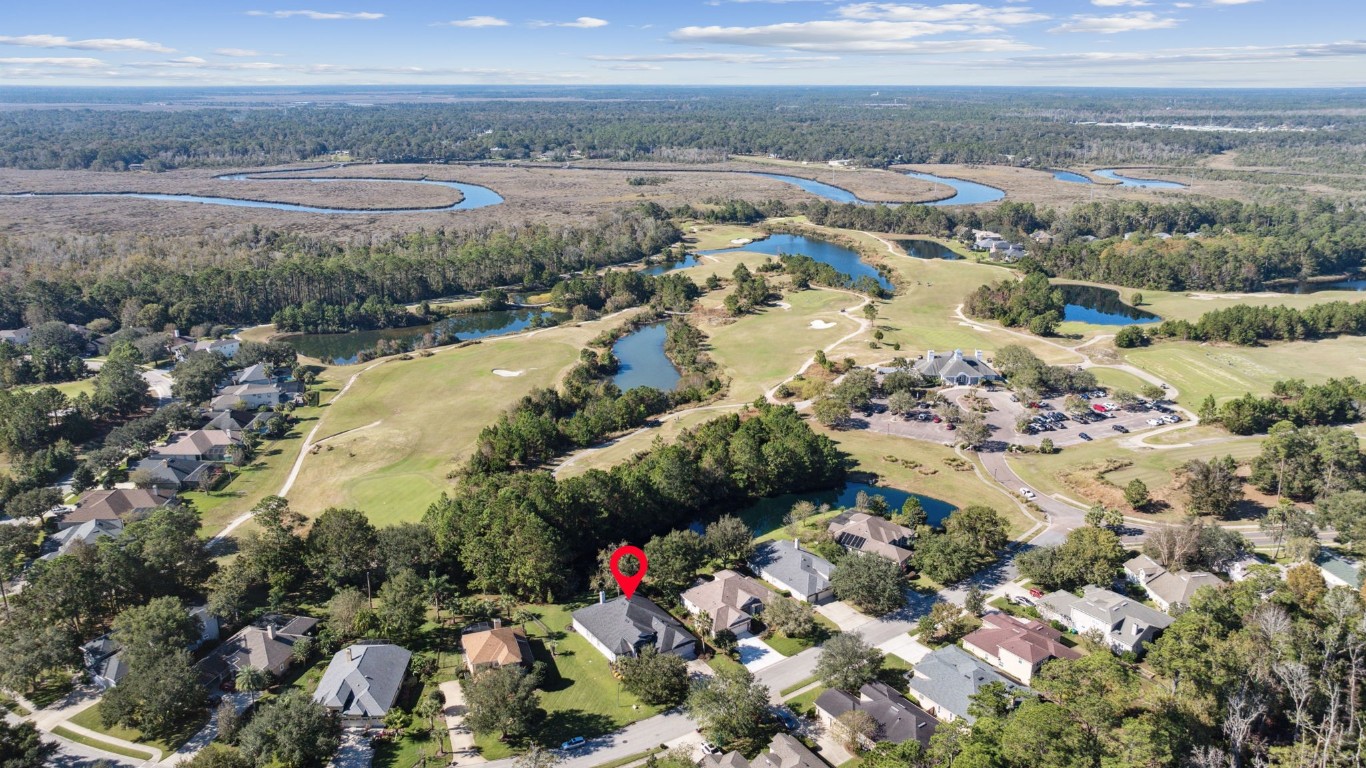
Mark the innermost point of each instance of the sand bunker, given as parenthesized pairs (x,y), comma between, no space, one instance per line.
(782,304)
(821,325)
(507,374)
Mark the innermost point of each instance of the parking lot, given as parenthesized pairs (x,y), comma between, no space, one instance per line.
(1005,412)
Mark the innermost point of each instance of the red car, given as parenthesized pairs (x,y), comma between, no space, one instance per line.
(1098,408)
(1035,592)
(949,426)
(937,419)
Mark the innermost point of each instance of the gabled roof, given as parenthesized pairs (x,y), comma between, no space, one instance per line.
(623,626)
(898,719)
(1127,618)
(90,532)
(1339,568)
(255,374)
(1030,640)
(786,562)
(172,472)
(872,534)
(228,420)
(1171,587)
(950,677)
(196,443)
(500,646)
(266,644)
(116,504)
(952,365)
(728,597)
(363,680)
(784,752)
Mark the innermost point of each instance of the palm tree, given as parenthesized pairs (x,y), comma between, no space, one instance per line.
(252,679)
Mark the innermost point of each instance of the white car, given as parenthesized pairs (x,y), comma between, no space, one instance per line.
(1028,494)
(1111,406)
(1154,422)
(1173,419)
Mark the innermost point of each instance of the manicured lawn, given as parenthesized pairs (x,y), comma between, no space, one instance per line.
(1113,378)
(579,694)
(807,701)
(90,718)
(791,646)
(49,689)
(71,735)
(69,388)
(797,686)
(1226,372)
(6,703)
(409,750)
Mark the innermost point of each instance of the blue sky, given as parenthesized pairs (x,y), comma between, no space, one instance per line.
(1202,43)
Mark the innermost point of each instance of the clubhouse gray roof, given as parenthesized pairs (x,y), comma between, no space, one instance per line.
(624,626)
(950,366)
(793,566)
(950,676)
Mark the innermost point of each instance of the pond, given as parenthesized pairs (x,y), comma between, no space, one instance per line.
(688,260)
(1126,181)
(767,515)
(1071,178)
(817,188)
(837,256)
(964,192)
(475,196)
(643,362)
(345,348)
(928,249)
(1101,306)
(1353,284)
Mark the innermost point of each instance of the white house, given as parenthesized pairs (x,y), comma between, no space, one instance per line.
(787,566)
(1126,623)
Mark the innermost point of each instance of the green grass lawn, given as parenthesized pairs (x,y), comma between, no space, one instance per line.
(105,746)
(50,688)
(69,388)
(807,701)
(1226,372)
(579,694)
(90,718)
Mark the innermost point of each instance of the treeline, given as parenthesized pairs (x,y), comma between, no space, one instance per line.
(529,535)
(613,290)
(317,317)
(945,125)
(1031,377)
(1239,246)
(1333,402)
(1031,303)
(1245,324)
(52,355)
(249,276)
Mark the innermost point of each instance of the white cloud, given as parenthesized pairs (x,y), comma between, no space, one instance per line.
(849,36)
(1118,3)
(582,22)
(1138,21)
(941,13)
(635,68)
(75,62)
(93,44)
(1183,5)
(1232,2)
(237,53)
(728,58)
(1229,55)
(475,22)
(320,15)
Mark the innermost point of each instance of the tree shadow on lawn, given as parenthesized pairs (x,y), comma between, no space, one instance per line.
(563,725)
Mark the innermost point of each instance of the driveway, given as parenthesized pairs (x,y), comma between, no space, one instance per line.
(904,647)
(159,382)
(755,654)
(462,738)
(844,615)
(355,751)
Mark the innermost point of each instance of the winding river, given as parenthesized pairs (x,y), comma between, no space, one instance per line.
(474,196)
(1127,181)
(964,192)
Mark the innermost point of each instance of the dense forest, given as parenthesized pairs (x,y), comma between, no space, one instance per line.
(1248,325)
(1232,245)
(900,125)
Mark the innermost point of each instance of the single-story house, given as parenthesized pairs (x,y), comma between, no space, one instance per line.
(252,395)
(622,627)
(1126,623)
(731,600)
(1041,236)
(872,535)
(266,644)
(179,474)
(198,445)
(956,369)
(785,751)
(787,566)
(125,504)
(1338,571)
(898,719)
(88,534)
(17,336)
(945,681)
(362,682)
(1164,587)
(1017,647)
(103,660)
(498,646)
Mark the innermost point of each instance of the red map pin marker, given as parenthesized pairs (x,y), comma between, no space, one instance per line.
(629,583)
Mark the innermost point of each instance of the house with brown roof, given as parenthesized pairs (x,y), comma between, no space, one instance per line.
(731,600)
(267,644)
(198,445)
(784,752)
(125,504)
(498,646)
(872,535)
(1017,647)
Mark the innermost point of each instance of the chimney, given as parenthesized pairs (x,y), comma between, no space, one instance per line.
(930,356)
(270,630)
(977,353)
(602,597)
(348,653)
(497,623)
(958,354)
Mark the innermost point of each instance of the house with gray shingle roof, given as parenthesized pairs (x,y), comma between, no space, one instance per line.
(731,600)
(88,533)
(785,751)
(362,682)
(1126,623)
(956,369)
(898,719)
(622,627)
(945,681)
(787,566)
(872,535)
(267,644)
(1164,587)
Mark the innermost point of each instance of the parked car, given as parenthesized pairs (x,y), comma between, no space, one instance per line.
(1035,592)
(1084,436)
(1014,398)
(1028,494)
(1020,600)
(936,419)
(575,743)
(1119,428)
(949,426)
(786,717)
(1154,422)
(1173,419)
(710,748)
(1098,408)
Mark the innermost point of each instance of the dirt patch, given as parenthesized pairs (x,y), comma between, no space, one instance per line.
(821,325)
(507,374)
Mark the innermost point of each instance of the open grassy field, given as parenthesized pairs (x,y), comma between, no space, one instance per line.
(404,424)
(1228,371)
